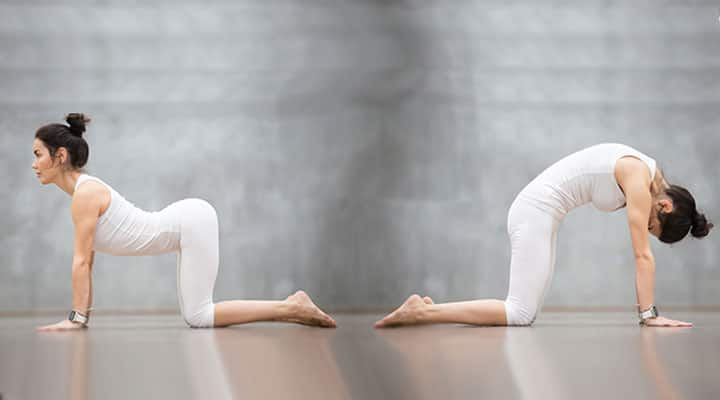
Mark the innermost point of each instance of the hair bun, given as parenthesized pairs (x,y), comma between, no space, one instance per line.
(700,225)
(77,122)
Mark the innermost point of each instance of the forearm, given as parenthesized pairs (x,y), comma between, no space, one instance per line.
(475,312)
(645,281)
(82,286)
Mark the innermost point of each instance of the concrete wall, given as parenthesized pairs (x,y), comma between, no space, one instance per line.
(361,150)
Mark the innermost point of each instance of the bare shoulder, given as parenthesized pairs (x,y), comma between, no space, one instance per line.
(631,169)
(90,197)
(631,164)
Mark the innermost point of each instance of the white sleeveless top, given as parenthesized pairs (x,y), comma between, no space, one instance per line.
(587,176)
(124,229)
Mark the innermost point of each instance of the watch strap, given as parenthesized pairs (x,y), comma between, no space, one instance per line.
(78,318)
(649,313)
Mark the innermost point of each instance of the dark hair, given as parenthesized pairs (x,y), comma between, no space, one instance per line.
(684,217)
(68,136)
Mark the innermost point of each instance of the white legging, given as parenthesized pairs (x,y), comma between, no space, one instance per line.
(197,262)
(533,235)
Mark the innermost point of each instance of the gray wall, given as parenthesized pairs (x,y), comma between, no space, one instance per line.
(361,150)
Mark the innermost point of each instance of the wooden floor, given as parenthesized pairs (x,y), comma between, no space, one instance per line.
(565,355)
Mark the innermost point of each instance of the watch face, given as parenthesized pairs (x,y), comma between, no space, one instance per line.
(76,317)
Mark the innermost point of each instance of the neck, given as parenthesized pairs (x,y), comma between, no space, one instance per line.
(659,184)
(67,181)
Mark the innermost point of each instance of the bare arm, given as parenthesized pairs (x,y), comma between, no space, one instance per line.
(85,213)
(639,203)
(634,178)
(86,208)
(92,262)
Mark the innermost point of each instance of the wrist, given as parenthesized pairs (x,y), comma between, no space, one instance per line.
(78,317)
(287,310)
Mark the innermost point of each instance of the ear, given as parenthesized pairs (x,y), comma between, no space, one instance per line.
(666,205)
(62,155)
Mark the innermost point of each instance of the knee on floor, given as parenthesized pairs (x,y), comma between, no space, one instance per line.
(519,315)
(203,317)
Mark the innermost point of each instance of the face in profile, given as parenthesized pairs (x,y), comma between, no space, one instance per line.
(662,206)
(45,167)
(654,225)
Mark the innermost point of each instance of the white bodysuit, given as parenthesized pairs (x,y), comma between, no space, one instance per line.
(587,176)
(188,227)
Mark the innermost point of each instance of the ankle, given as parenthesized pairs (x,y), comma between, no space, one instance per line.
(288,309)
(425,314)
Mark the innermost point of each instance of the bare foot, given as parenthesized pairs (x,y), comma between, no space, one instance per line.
(306,312)
(407,314)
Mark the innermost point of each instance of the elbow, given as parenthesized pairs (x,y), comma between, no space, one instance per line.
(81,266)
(645,262)
(644,257)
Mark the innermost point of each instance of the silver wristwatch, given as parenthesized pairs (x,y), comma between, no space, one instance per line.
(645,315)
(78,318)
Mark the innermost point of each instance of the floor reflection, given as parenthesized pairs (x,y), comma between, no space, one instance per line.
(449,361)
(534,372)
(568,356)
(279,362)
(652,360)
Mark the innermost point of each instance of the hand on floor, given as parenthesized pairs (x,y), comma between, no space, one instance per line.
(665,322)
(64,325)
